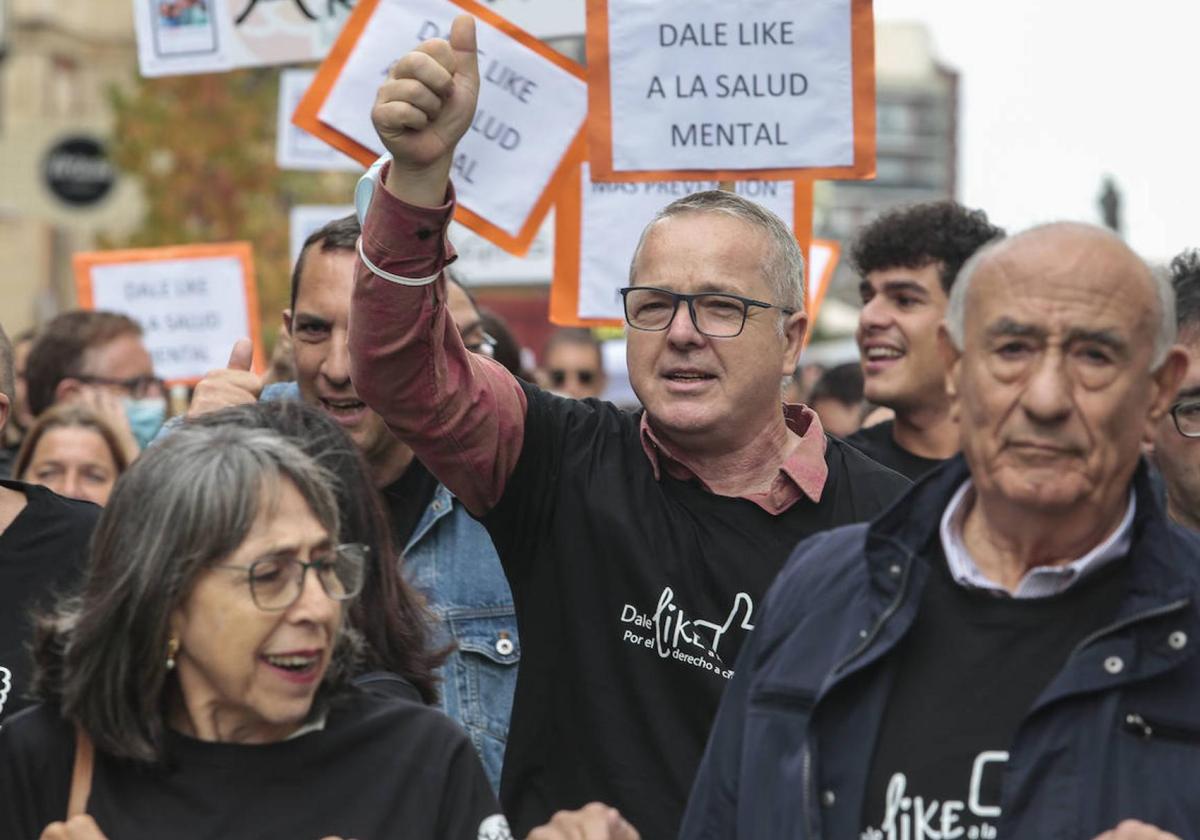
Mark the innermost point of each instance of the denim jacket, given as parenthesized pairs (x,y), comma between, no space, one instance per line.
(450,558)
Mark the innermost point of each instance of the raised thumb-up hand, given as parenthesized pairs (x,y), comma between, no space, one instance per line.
(427,103)
(232,385)
(242,355)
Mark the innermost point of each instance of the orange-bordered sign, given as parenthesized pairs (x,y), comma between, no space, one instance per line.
(594,240)
(631,140)
(555,165)
(192,301)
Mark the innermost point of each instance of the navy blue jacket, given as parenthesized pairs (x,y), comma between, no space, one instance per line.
(1115,735)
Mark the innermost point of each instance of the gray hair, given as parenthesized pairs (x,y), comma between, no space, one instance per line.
(783,266)
(956,307)
(187,502)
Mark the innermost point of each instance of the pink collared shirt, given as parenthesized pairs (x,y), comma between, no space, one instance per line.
(462,413)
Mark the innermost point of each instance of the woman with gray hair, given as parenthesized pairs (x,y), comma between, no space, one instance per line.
(199,685)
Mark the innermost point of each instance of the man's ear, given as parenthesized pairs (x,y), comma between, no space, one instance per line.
(287,321)
(795,328)
(951,363)
(1165,382)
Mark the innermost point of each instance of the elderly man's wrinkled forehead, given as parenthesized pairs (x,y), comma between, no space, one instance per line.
(1066,262)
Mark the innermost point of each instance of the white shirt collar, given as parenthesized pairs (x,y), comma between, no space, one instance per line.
(1038,582)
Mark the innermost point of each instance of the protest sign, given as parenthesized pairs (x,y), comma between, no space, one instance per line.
(598,226)
(176,37)
(479,263)
(306,219)
(192,301)
(708,88)
(295,148)
(542,18)
(818,274)
(527,131)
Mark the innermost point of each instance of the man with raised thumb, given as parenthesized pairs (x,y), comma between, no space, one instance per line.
(637,545)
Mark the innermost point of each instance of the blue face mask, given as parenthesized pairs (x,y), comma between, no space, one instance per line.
(145,417)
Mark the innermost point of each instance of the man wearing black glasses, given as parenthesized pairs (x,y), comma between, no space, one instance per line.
(1177,436)
(638,546)
(573,364)
(100,358)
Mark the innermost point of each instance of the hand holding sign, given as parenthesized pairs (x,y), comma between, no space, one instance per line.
(424,109)
(233,385)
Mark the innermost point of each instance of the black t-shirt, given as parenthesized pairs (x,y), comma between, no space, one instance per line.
(967,673)
(878,443)
(381,768)
(42,554)
(633,597)
(407,498)
(7,456)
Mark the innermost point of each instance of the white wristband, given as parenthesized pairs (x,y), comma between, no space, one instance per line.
(395,278)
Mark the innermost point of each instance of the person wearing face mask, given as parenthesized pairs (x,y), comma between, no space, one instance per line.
(80,355)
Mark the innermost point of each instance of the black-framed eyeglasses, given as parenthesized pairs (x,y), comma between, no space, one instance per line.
(715,314)
(138,387)
(277,580)
(1186,414)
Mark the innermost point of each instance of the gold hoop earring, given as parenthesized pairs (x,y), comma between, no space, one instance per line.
(172,649)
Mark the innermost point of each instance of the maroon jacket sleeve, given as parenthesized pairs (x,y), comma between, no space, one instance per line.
(463,414)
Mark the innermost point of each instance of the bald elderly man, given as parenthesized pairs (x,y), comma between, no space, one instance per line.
(1010,650)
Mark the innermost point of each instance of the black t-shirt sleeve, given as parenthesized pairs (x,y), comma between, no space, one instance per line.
(36,757)
(469,809)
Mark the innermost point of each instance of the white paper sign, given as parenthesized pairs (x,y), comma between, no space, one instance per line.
(295,148)
(542,18)
(709,84)
(211,36)
(529,110)
(480,263)
(306,219)
(613,216)
(192,310)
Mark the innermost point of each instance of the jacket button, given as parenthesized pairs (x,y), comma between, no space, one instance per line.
(1177,640)
(1114,665)
(895,570)
(828,798)
(504,646)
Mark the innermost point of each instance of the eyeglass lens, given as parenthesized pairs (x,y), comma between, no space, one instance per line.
(716,315)
(1187,418)
(276,582)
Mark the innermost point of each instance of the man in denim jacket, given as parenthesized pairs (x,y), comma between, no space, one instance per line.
(447,554)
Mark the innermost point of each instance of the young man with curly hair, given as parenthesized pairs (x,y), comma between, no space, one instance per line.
(908,259)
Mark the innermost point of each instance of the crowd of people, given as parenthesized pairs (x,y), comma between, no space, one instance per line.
(415,589)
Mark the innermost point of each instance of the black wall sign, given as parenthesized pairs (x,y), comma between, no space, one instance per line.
(77,170)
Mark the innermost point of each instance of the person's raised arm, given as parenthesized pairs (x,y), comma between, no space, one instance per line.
(462,414)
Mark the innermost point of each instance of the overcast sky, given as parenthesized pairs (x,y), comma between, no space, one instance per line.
(1057,93)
